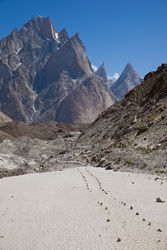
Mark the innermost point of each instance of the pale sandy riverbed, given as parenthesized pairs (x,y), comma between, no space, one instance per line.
(57,211)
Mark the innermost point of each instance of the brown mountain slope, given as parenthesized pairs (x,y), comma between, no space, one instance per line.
(4,118)
(133,132)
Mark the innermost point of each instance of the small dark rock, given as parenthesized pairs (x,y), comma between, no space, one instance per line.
(93,159)
(142,129)
(159,200)
(119,239)
(108,168)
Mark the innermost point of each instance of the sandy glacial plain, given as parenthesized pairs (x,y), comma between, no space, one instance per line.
(83,208)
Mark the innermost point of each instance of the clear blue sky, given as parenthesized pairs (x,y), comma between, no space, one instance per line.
(113,31)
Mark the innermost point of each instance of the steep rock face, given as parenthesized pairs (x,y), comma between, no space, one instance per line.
(70,58)
(49,99)
(47,29)
(101,72)
(92,97)
(127,80)
(39,68)
(22,55)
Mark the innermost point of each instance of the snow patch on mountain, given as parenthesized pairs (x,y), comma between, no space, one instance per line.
(94,68)
(114,77)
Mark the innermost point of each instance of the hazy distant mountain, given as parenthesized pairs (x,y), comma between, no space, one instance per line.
(101,72)
(127,81)
(40,67)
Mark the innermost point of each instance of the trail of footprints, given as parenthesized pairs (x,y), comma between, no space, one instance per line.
(107,193)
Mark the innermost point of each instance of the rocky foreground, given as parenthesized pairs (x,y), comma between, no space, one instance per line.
(83,208)
(37,148)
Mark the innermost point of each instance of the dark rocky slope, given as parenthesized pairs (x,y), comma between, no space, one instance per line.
(132,133)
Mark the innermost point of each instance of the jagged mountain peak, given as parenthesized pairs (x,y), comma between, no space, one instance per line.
(128,71)
(127,80)
(40,67)
(129,66)
(47,28)
(101,72)
(41,25)
(63,36)
(39,19)
(102,66)
(75,63)
(76,38)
